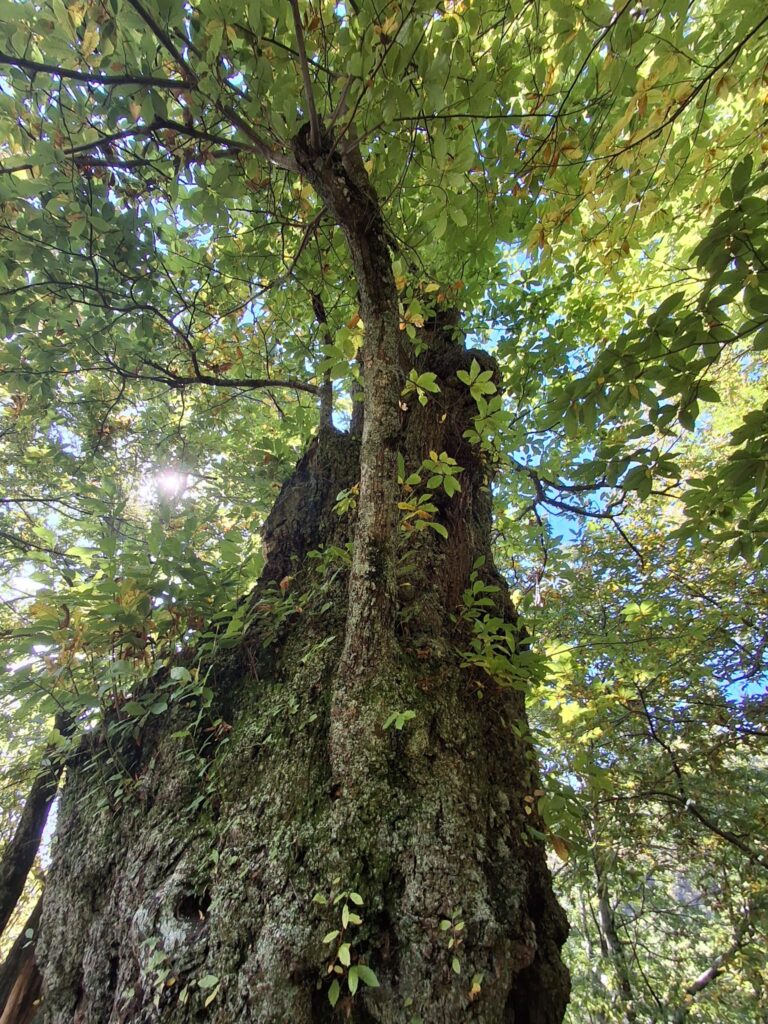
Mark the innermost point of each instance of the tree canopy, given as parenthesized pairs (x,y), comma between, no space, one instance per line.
(585,187)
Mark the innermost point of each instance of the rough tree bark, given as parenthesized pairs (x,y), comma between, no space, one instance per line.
(210,862)
(216,869)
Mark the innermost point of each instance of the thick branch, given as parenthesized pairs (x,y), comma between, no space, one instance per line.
(157,125)
(272,156)
(344,187)
(715,968)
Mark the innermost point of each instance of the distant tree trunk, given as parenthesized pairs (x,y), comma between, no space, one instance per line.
(19,976)
(205,872)
(19,854)
(611,945)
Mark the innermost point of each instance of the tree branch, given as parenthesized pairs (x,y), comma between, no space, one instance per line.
(89,78)
(163,37)
(716,966)
(174,380)
(314,121)
(326,388)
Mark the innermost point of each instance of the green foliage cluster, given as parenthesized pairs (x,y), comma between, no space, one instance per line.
(652,724)
(339,939)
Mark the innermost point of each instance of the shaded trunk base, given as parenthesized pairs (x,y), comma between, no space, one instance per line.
(215,871)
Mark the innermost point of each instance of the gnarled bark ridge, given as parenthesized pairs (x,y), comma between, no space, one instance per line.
(216,873)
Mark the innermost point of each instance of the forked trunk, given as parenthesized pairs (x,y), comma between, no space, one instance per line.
(214,870)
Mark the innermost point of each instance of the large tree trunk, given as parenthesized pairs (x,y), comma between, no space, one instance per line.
(222,850)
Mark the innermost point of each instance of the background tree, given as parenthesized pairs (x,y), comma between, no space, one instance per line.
(228,225)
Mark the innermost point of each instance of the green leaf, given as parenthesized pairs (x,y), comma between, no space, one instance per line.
(760,339)
(367,976)
(428,381)
(333,992)
(740,177)
(666,307)
(133,709)
(706,393)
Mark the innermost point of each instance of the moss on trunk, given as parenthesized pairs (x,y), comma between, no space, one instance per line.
(216,868)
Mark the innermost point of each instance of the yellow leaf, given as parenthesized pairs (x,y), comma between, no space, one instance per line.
(570,712)
(572,151)
(682,92)
(76,12)
(388,26)
(560,848)
(724,86)
(90,40)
